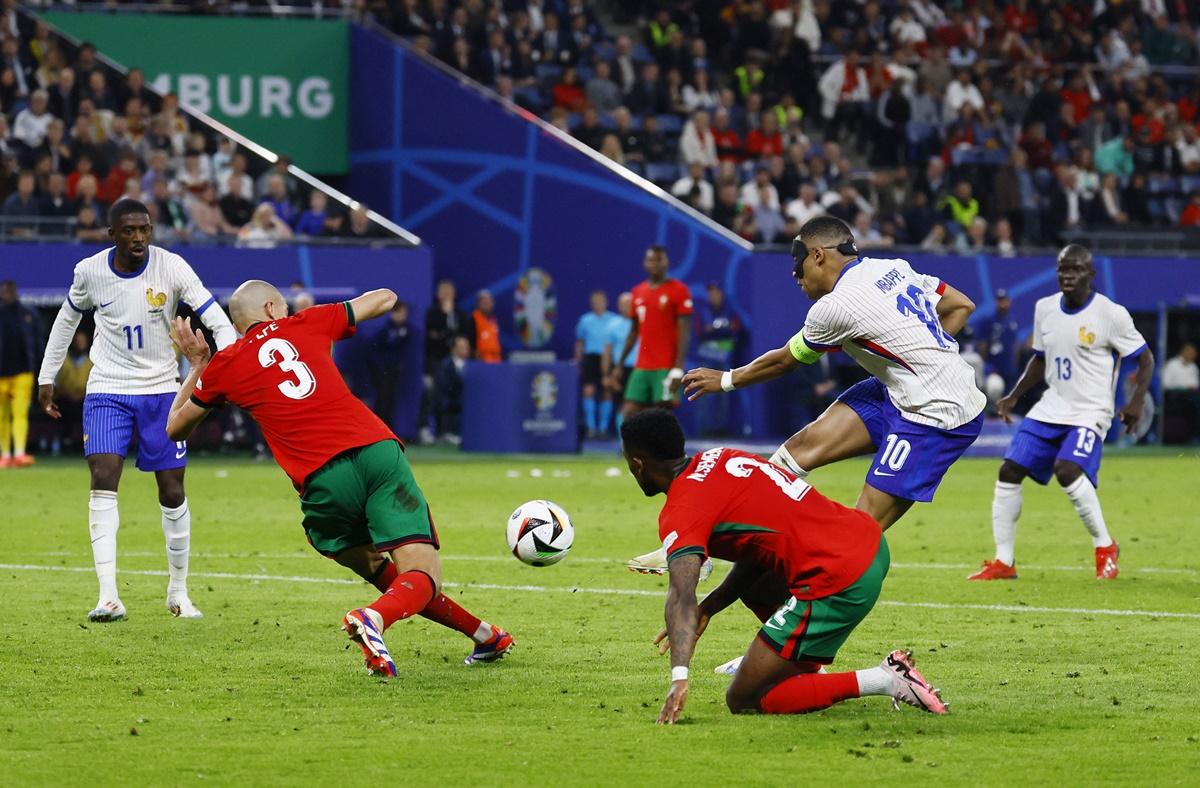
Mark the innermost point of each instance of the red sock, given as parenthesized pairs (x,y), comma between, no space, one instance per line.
(385,576)
(408,594)
(809,692)
(445,611)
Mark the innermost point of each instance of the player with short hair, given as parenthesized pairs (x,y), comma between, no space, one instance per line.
(662,310)
(591,335)
(919,410)
(1078,336)
(360,501)
(817,566)
(133,289)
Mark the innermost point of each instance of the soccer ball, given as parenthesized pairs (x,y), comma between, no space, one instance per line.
(540,533)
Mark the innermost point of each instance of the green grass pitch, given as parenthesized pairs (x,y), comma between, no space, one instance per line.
(1053,678)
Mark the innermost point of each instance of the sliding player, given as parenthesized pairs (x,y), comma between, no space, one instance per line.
(360,501)
(825,564)
(133,289)
(1077,337)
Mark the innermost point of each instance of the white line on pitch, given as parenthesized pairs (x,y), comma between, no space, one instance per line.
(606,591)
(617,561)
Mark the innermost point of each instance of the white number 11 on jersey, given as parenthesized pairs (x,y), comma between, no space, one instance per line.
(280,351)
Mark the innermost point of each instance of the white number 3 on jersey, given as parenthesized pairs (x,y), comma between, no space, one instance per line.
(280,351)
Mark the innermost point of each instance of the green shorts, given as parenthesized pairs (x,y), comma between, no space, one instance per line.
(645,386)
(814,630)
(366,496)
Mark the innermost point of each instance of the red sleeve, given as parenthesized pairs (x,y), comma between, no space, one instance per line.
(684,530)
(335,321)
(210,391)
(683,300)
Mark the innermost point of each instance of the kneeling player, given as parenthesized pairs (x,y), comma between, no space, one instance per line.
(825,561)
(359,498)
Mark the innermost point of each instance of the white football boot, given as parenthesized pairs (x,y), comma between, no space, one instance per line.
(106,612)
(180,606)
(655,563)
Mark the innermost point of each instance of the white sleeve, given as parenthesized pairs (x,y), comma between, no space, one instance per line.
(828,325)
(192,292)
(218,323)
(58,342)
(1038,347)
(1126,339)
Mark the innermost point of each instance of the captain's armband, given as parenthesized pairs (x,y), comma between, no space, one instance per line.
(801,351)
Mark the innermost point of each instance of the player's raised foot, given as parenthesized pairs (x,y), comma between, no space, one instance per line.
(365,627)
(180,606)
(729,668)
(995,570)
(909,686)
(655,563)
(106,612)
(1106,561)
(494,648)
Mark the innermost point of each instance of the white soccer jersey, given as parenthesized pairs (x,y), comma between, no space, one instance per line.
(882,313)
(1081,349)
(132,351)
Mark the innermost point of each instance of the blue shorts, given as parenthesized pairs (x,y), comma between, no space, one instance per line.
(1038,445)
(910,458)
(111,420)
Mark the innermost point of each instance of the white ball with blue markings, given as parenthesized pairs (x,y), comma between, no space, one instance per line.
(540,533)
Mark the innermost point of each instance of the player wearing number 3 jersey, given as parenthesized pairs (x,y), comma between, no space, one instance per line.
(360,501)
(1078,335)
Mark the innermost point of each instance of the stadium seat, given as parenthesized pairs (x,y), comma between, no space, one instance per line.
(670,124)
(662,172)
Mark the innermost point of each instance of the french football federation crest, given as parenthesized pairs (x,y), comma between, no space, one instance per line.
(1086,337)
(156,300)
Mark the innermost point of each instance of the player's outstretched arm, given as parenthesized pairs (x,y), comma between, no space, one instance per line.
(740,577)
(61,334)
(372,304)
(770,365)
(681,615)
(186,415)
(953,310)
(1131,414)
(1035,372)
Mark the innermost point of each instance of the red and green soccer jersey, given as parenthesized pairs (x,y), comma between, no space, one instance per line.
(733,505)
(658,310)
(282,372)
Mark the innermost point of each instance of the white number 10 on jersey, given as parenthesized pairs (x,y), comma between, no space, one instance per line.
(280,351)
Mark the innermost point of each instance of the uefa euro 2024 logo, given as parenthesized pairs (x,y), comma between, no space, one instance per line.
(544,391)
(535,307)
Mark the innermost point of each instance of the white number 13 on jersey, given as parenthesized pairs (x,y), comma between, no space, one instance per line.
(280,351)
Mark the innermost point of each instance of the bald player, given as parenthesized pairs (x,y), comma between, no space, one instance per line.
(362,507)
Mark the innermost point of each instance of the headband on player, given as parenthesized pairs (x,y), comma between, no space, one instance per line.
(800,251)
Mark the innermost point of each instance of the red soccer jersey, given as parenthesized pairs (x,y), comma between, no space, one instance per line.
(658,311)
(733,505)
(283,373)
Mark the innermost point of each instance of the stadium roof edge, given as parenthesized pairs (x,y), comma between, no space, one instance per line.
(624,173)
(241,140)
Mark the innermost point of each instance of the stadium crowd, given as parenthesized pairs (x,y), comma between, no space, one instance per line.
(75,136)
(942,125)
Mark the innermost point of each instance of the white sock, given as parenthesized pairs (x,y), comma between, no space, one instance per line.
(1087,504)
(177,528)
(483,633)
(874,681)
(1006,508)
(103,522)
(783,458)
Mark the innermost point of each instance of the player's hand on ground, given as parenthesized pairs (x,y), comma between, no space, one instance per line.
(673,705)
(664,642)
(46,401)
(700,381)
(1004,409)
(1131,414)
(191,342)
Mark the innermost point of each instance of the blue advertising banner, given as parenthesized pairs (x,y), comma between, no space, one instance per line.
(43,274)
(520,408)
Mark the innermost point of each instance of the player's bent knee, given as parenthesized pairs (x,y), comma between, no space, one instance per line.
(1011,473)
(1067,473)
(739,702)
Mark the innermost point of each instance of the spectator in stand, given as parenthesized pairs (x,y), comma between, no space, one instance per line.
(805,206)
(1115,157)
(389,362)
(281,169)
(1187,149)
(726,208)
(265,229)
(695,180)
(172,220)
(114,184)
(279,199)
(312,222)
(699,93)
(729,144)
(360,225)
(1003,232)
(960,208)
(765,141)
(1190,216)
(590,132)
(1109,202)
(602,93)
(15,62)
(647,96)
(86,191)
(156,171)
(697,145)
(56,146)
(761,197)
(555,45)
(624,66)
(55,204)
(892,117)
(610,148)
(494,61)
(20,209)
(63,97)
(1038,150)
(591,334)
(449,391)
(235,178)
(486,329)
(844,95)
(207,219)
(30,125)
(631,141)
(235,206)
(568,93)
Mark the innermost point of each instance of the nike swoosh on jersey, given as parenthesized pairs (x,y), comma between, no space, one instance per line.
(110,303)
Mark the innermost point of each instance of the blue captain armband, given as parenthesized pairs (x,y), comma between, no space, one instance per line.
(801,351)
